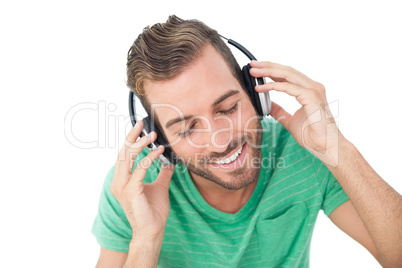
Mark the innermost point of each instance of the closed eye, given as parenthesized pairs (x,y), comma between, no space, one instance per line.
(188,132)
(225,112)
(231,110)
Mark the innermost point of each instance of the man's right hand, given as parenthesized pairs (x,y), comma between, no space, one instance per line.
(146,205)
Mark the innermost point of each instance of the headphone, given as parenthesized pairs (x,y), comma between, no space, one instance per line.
(260,101)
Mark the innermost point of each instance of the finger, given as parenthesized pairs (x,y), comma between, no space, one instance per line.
(136,148)
(142,167)
(122,171)
(280,115)
(265,64)
(129,152)
(303,96)
(165,175)
(291,89)
(131,137)
(135,132)
(125,162)
(280,73)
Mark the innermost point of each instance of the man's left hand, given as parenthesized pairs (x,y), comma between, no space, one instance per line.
(313,125)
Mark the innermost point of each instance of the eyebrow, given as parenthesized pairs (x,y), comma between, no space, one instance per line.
(177,120)
(216,102)
(225,96)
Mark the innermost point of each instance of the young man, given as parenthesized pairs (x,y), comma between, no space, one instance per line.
(246,192)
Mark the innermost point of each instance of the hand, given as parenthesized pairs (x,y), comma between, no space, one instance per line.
(146,205)
(312,126)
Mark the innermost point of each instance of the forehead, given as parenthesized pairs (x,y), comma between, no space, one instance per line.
(194,91)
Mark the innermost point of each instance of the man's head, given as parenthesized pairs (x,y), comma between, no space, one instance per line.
(187,77)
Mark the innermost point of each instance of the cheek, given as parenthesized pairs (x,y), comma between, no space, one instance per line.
(186,147)
(238,121)
(247,116)
(188,153)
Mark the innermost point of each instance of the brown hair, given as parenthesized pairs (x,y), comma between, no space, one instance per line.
(163,51)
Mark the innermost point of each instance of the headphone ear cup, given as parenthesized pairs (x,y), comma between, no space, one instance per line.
(249,83)
(149,126)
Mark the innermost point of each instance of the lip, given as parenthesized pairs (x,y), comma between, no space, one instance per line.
(232,165)
(226,156)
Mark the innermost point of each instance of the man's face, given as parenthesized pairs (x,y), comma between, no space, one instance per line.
(209,122)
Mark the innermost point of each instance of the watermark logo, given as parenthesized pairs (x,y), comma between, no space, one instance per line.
(110,126)
(112,129)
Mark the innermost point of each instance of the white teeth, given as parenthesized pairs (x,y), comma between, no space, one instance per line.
(230,158)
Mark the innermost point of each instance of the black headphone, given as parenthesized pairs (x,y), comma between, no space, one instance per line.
(260,101)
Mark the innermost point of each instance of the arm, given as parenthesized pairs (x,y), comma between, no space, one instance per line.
(111,259)
(378,205)
(346,218)
(141,254)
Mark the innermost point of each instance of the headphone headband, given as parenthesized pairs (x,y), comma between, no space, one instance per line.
(239,47)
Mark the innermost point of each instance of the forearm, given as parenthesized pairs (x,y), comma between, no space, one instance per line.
(378,204)
(143,253)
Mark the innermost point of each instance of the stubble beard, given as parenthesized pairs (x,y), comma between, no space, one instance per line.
(242,176)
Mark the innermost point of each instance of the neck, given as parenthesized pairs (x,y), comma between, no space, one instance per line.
(222,199)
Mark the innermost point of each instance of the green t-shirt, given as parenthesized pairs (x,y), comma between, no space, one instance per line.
(274,228)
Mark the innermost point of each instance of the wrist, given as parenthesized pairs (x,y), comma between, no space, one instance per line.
(333,154)
(346,158)
(143,252)
(150,243)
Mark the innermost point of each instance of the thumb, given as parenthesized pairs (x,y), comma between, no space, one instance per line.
(165,175)
(280,115)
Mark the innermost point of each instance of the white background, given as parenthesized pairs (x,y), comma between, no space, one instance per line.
(55,55)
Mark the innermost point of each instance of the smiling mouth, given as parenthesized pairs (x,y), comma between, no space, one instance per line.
(229,159)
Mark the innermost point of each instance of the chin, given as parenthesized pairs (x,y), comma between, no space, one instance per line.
(234,175)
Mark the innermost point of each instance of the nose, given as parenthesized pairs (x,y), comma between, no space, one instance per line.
(221,134)
(213,134)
